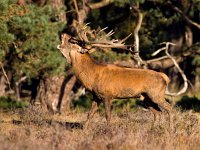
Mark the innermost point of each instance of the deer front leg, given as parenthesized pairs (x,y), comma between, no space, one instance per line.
(107,105)
(92,111)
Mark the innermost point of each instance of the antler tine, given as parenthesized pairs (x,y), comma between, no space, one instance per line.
(123,40)
(102,41)
(115,41)
(98,34)
(85,38)
(82,33)
(79,32)
(103,29)
(86,25)
(110,33)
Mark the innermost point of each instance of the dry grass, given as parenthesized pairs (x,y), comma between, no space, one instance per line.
(34,129)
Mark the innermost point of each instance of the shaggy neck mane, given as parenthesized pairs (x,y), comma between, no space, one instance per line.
(85,68)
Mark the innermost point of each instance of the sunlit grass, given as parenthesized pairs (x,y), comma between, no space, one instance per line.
(34,128)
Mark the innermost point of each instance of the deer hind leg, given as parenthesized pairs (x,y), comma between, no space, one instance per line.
(160,100)
(165,105)
(154,109)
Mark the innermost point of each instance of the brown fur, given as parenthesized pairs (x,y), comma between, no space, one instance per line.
(108,82)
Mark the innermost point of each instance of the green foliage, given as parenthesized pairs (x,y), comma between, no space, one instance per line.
(6,38)
(9,103)
(84,102)
(127,104)
(28,40)
(196,61)
(110,56)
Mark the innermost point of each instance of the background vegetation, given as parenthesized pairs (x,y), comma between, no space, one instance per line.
(34,72)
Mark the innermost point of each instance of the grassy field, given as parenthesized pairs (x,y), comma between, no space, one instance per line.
(34,129)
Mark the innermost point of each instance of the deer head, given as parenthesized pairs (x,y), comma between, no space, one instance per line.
(65,47)
(69,46)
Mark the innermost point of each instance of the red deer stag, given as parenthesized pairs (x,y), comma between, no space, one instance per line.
(108,82)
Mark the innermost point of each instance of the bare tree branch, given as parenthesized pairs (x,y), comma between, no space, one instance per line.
(136,55)
(100,4)
(162,62)
(76,6)
(82,13)
(156,59)
(183,90)
(186,17)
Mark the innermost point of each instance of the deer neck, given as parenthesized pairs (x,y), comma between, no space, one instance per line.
(85,68)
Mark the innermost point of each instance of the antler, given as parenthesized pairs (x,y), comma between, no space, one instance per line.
(98,39)
(102,41)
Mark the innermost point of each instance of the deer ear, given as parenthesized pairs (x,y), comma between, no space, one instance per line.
(64,38)
(82,50)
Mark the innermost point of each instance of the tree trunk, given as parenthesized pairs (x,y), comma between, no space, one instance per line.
(18,88)
(197,83)
(54,93)
(59,4)
(2,86)
(40,97)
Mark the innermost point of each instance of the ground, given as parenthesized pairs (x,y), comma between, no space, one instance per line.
(34,129)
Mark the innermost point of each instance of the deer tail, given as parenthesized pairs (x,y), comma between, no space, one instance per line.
(165,77)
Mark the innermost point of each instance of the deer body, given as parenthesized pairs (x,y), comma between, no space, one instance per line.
(117,82)
(114,81)
(108,82)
